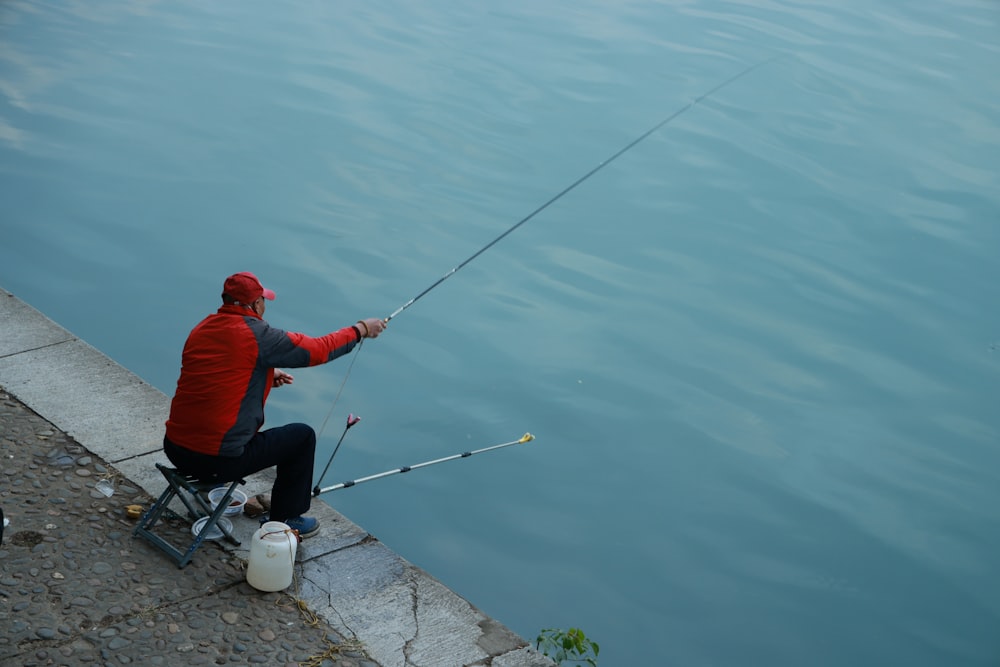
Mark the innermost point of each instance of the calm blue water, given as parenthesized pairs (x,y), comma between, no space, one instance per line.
(760,351)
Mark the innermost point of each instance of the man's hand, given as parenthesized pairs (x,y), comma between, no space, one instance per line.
(281,377)
(371,327)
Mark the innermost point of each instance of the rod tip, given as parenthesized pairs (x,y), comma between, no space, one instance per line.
(527,437)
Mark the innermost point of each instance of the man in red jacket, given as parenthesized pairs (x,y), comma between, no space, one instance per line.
(229,365)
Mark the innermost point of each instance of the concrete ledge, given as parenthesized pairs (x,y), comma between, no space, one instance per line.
(402,615)
(106,408)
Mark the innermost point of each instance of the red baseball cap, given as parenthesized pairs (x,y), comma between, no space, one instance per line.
(245,288)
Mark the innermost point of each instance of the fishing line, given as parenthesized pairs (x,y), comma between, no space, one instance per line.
(551,201)
(337,397)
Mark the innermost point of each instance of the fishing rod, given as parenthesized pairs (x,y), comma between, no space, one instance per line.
(351,421)
(527,437)
(544,206)
(578,181)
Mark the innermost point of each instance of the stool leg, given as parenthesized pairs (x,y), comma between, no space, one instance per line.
(223,504)
(189,491)
(213,521)
(152,516)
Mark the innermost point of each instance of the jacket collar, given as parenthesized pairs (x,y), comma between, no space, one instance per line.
(233,309)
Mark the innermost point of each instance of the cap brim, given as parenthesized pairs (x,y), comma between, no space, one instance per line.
(268,294)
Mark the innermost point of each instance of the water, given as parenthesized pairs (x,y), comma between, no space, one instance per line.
(759,351)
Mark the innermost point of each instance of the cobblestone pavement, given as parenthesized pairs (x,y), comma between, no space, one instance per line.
(77,589)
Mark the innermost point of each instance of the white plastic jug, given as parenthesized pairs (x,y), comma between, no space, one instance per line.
(272,557)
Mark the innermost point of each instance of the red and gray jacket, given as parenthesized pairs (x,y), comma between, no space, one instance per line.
(227,370)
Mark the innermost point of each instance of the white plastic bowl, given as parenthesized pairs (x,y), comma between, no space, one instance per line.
(215,533)
(236,502)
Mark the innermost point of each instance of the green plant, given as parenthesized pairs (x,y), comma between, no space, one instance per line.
(570,646)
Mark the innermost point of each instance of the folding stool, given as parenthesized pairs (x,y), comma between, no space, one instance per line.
(177,482)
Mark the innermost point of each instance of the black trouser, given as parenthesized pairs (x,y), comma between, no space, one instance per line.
(290,448)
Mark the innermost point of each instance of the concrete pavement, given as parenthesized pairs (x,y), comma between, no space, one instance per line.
(76,588)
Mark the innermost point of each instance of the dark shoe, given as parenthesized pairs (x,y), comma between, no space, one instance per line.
(305,525)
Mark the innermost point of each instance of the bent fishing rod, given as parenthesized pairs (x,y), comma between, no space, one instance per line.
(527,437)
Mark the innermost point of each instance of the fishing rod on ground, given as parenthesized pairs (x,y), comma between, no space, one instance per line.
(527,437)
(541,208)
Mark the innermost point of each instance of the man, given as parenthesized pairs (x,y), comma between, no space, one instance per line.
(228,367)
